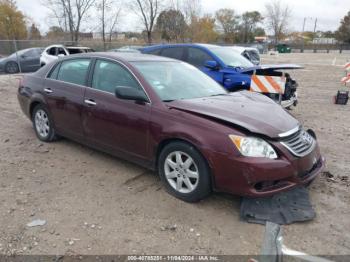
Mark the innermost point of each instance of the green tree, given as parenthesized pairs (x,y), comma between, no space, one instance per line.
(228,21)
(34,32)
(249,22)
(343,32)
(171,25)
(12,21)
(204,29)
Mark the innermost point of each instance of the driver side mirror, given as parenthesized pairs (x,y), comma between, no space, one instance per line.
(131,93)
(213,65)
(61,55)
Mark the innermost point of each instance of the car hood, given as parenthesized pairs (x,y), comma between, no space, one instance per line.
(254,112)
(270,68)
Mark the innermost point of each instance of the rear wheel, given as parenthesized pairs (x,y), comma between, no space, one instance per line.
(184,172)
(43,124)
(11,67)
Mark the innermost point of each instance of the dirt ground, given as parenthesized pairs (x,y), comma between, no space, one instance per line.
(97,204)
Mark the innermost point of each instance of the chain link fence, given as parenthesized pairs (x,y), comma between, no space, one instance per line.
(14,60)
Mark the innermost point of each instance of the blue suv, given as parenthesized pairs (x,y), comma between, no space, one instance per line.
(228,68)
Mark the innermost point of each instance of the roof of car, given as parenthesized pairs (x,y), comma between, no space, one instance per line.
(183,45)
(72,47)
(128,57)
(77,47)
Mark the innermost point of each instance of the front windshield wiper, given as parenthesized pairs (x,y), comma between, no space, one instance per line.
(168,100)
(220,94)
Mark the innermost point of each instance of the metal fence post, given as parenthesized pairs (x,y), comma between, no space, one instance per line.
(18,62)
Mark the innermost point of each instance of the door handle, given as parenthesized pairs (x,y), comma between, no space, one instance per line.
(90,102)
(48,90)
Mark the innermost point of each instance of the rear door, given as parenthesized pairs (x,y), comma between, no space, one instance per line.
(64,91)
(120,126)
(30,60)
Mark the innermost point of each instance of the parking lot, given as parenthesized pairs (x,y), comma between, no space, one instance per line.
(97,204)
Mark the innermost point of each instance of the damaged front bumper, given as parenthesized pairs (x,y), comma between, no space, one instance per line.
(293,101)
(261,177)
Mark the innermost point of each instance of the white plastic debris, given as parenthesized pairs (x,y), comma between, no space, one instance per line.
(36,222)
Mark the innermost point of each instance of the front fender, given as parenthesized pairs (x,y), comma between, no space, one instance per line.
(235,82)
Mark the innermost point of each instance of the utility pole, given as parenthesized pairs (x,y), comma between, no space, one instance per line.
(302,35)
(315,25)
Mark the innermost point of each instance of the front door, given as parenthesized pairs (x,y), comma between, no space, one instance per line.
(121,126)
(198,57)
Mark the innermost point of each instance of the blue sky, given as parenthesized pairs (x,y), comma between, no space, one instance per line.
(328,12)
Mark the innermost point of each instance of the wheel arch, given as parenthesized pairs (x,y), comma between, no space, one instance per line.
(166,141)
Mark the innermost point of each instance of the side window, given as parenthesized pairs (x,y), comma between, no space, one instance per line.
(173,52)
(52,51)
(54,73)
(108,75)
(61,51)
(31,53)
(197,57)
(74,71)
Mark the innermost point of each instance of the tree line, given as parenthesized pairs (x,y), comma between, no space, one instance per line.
(161,20)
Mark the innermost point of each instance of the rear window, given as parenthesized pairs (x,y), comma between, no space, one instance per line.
(54,72)
(155,52)
(73,51)
(74,71)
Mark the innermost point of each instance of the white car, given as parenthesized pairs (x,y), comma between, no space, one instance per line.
(251,53)
(53,52)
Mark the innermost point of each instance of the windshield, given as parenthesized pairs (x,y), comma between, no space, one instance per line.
(230,57)
(178,80)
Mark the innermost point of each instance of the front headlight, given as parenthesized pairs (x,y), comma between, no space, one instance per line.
(253,147)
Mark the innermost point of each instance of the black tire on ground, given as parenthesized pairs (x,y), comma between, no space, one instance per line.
(203,187)
(11,67)
(44,120)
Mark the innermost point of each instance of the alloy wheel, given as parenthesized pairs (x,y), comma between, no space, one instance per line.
(181,172)
(42,123)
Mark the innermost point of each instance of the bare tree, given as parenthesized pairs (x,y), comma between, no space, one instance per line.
(109,15)
(277,18)
(70,13)
(192,10)
(147,10)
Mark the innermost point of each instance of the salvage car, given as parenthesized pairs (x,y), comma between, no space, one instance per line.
(251,53)
(26,60)
(53,52)
(230,69)
(168,116)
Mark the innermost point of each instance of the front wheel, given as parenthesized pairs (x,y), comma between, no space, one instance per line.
(43,124)
(184,172)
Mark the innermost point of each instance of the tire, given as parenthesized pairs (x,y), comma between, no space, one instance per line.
(43,124)
(184,172)
(11,67)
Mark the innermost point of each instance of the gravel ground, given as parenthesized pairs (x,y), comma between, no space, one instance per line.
(97,204)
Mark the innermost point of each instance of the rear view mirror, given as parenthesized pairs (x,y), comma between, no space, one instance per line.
(213,65)
(130,93)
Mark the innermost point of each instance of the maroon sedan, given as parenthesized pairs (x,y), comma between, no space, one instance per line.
(168,116)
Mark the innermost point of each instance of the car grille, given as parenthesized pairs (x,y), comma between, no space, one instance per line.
(300,143)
